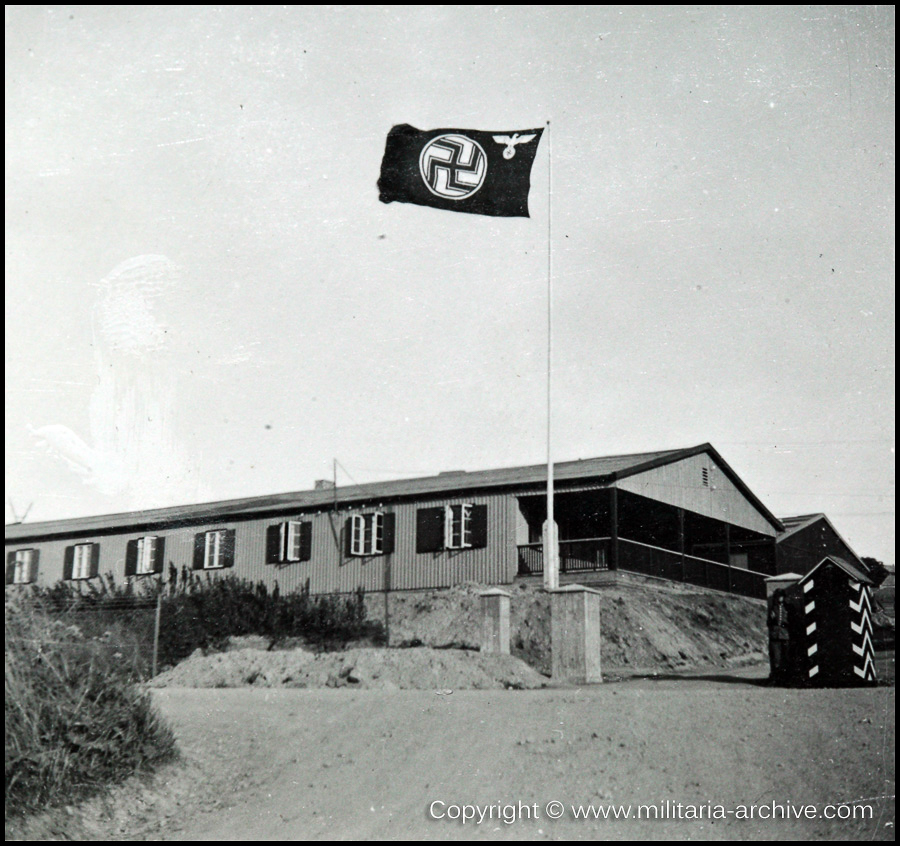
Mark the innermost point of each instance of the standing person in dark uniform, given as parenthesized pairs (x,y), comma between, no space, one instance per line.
(779,639)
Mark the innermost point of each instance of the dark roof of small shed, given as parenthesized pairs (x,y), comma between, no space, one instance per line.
(850,569)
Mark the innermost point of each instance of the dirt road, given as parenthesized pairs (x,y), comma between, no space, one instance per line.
(338,764)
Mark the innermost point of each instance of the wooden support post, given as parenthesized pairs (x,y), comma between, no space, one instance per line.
(681,540)
(156,626)
(728,553)
(614,528)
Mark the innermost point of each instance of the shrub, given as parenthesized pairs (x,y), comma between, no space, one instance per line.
(75,722)
(207,612)
(201,612)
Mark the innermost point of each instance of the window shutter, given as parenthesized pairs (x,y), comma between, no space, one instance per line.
(95,559)
(199,550)
(305,541)
(131,554)
(10,567)
(159,555)
(479,526)
(429,529)
(348,537)
(228,548)
(387,532)
(33,569)
(273,543)
(68,562)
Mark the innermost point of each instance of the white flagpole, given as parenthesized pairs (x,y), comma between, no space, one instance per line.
(550,538)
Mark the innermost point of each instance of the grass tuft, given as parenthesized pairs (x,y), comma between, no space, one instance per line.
(75,721)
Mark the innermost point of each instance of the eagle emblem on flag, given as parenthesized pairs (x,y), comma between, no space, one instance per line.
(510,149)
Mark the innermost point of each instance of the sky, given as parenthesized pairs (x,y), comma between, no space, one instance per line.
(205,298)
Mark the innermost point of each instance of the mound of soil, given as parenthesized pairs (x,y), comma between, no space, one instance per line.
(645,626)
(384,669)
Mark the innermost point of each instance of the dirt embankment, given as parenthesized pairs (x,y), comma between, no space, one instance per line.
(650,628)
(643,625)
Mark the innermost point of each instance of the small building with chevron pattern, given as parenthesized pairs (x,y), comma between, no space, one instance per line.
(832,634)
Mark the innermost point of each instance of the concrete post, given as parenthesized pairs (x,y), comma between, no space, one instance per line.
(550,552)
(781,582)
(575,634)
(495,621)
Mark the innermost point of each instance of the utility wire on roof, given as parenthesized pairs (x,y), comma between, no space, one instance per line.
(355,483)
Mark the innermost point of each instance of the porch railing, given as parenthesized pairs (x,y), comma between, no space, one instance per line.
(633,556)
(668,564)
(575,556)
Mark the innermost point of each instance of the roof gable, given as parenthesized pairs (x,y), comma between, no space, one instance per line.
(699,480)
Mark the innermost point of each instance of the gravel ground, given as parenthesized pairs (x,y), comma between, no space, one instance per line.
(325,764)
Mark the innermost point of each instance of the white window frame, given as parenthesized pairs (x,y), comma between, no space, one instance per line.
(146,555)
(22,574)
(213,549)
(290,535)
(81,560)
(367,533)
(458,526)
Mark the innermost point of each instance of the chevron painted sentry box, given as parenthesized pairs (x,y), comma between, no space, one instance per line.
(836,635)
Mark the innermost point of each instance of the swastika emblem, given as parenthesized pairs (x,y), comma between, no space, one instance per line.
(453,166)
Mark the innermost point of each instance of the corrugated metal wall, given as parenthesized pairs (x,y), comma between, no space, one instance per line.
(329,571)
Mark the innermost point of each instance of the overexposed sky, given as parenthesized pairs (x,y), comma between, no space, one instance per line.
(205,298)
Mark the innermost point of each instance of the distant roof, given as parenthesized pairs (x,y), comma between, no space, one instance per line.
(600,470)
(801,521)
(792,524)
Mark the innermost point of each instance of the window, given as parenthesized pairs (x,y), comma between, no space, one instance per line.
(367,533)
(214,546)
(81,561)
(145,556)
(214,550)
(458,526)
(289,542)
(370,534)
(146,547)
(81,568)
(704,476)
(454,526)
(21,566)
(739,559)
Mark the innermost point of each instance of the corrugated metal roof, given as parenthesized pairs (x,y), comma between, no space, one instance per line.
(608,468)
